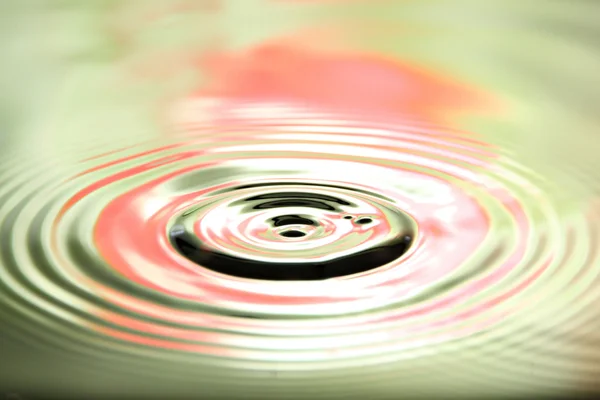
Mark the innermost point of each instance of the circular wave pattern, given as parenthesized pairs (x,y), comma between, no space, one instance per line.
(111,253)
(291,232)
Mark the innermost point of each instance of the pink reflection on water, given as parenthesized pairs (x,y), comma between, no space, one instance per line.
(131,237)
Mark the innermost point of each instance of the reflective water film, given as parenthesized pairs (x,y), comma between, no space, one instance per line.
(310,199)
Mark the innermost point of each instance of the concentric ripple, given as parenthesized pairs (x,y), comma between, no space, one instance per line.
(305,241)
(290,232)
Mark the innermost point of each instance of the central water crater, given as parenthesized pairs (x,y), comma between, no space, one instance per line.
(292,232)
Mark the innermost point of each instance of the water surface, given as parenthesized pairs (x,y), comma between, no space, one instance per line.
(299,199)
